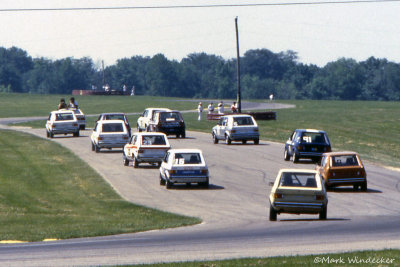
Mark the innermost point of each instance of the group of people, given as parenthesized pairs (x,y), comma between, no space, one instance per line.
(220,108)
(72,103)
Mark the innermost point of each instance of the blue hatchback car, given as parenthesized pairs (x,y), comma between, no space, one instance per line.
(307,143)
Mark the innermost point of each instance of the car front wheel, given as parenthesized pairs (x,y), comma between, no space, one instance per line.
(168,184)
(228,141)
(135,162)
(295,158)
(323,213)
(162,181)
(125,160)
(272,213)
(215,139)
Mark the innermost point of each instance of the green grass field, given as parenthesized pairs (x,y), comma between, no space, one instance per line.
(47,192)
(371,128)
(386,257)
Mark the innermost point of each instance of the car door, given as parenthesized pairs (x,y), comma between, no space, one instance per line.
(141,119)
(221,128)
(164,164)
(290,143)
(95,134)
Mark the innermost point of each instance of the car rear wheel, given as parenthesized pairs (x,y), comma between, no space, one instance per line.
(168,184)
(244,142)
(256,141)
(364,187)
(125,160)
(97,148)
(215,139)
(93,148)
(355,187)
(135,162)
(162,181)
(76,134)
(295,158)
(183,135)
(323,213)
(47,134)
(51,134)
(272,213)
(286,155)
(205,184)
(228,141)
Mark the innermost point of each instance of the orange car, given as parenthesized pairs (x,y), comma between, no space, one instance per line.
(343,169)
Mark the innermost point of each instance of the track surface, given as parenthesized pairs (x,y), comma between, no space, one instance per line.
(234,211)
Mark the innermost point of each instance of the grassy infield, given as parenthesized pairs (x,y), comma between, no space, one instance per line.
(49,199)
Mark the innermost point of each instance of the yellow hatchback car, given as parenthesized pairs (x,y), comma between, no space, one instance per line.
(298,191)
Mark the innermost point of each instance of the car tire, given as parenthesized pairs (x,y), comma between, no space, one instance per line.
(135,162)
(228,141)
(138,128)
(205,184)
(162,181)
(47,134)
(125,160)
(272,214)
(97,148)
(76,134)
(148,128)
(183,135)
(93,148)
(355,187)
(256,141)
(364,187)
(286,155)
(177,136)
(323,213)
(168,184)
(51,135)
(244,142)
(295,158)
(215,139)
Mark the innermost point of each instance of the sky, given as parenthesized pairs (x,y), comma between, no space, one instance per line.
(318,33)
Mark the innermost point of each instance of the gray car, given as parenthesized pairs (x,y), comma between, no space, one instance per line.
(236,128)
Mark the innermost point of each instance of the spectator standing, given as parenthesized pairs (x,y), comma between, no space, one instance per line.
(200,110)
(233,107)
(221,107)
(210,108)
(62,104)
(72,103)
(271,97)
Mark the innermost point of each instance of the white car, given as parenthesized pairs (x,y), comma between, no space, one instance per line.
(298,191)
(62,122)
(80,116)
(148,115)
(146,147)
(184,166)
(236,128)
(109,134)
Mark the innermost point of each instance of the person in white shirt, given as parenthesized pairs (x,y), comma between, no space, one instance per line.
(211,108)
(221,107)
(200,110)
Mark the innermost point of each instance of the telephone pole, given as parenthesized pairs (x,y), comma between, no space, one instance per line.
(239,99)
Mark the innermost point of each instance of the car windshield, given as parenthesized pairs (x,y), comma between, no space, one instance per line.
(313,138)
(112,127)
(114,117)
(298,179)
(243,121)
(64,117)
(187,158)
(149,140)
(170,116)
(345,160)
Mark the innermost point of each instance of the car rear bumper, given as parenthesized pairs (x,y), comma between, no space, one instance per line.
(188,179)
(65,131)
(244,136)
(150,159)
(118,144)
(346,181)
(298,207)
(309,154)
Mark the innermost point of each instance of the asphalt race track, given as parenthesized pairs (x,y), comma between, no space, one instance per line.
(234,211)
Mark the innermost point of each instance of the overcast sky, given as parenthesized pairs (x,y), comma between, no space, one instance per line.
(318,33)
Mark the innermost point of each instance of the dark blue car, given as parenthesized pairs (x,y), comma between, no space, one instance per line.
(307,143)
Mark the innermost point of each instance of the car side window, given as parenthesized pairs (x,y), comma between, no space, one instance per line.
(132,139)
(166,157)
(293,136)
(49,117)
(95,128)
(135,140)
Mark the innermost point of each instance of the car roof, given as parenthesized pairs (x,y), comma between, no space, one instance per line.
(310,130)
(185,150)
(112,113)
(63,111)
(150,133)
(340,153)
(238,115)
(298,170)
(163,109)
(110,121)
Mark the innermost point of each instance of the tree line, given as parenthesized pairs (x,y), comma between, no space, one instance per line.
(200,75)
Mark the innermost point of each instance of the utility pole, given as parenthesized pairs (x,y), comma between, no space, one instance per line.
(104,78)
(239,99)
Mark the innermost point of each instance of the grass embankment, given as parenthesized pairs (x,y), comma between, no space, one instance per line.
(46,192)
(381,258)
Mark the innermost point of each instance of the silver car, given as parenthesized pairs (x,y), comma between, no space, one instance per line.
(236,128)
